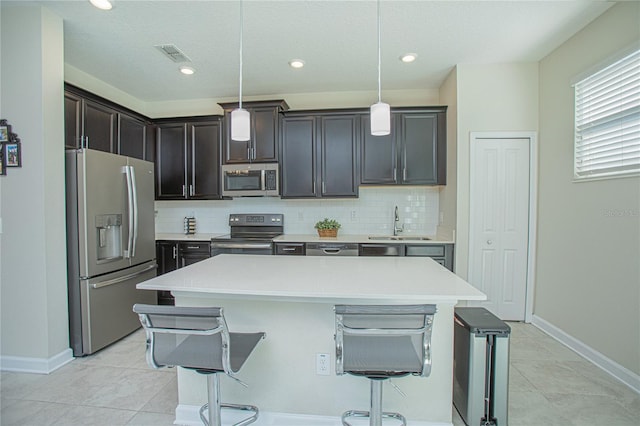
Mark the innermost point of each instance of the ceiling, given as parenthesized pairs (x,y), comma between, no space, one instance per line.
(336,39)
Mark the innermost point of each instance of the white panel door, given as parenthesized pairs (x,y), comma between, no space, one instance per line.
(499,224)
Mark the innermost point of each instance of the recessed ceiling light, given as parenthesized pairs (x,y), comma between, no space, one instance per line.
(296,63)
(102,4)
(187,70)
(408,57)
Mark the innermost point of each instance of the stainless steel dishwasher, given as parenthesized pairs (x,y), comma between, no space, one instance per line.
(332,249)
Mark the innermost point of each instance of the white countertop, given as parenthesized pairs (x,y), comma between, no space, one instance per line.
(185,237)
(319,279)
(308,238)
(314,238)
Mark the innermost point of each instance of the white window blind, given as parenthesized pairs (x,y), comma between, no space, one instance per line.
(607,120)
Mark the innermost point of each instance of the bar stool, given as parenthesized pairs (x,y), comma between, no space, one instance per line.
(198,339)
(380,342)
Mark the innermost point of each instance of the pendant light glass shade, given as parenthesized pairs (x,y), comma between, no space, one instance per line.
(240,125)
(380,119)
(380,112)
(240,119)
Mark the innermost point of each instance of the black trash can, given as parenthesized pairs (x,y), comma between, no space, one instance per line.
(480,367)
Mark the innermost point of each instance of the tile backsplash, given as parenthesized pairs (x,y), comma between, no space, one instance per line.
(371,213)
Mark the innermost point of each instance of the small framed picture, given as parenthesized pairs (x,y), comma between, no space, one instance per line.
(3,165)
(13,154)
(4,133)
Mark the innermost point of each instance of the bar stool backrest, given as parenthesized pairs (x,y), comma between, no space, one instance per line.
(380,341)
(189,337)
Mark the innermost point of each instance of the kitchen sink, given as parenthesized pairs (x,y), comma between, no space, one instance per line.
(398,238)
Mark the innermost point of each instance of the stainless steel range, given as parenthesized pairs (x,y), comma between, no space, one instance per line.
(250,234)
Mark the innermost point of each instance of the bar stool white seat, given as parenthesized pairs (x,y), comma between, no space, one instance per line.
(380,342)
(198,339)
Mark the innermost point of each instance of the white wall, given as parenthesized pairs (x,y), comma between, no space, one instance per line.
(588,270)
(495,97)
(34,325)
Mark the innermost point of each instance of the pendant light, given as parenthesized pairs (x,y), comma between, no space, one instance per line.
(240,119)
(380,111)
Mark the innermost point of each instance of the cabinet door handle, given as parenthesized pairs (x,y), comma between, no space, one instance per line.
(324,188)
(404,174)
(313,191)
(184,190)
(248,152)
(86,142)
(175,252)
(289,249)
(191,191)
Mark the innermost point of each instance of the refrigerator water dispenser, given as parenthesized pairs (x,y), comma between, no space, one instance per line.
(109,238)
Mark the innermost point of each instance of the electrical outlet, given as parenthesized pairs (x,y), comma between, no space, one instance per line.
(354,216)
(323,362)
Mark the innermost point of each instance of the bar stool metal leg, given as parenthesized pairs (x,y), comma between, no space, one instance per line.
(375,414)
(213,394)
(214,406)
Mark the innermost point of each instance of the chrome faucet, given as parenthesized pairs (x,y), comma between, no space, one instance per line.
(397,226)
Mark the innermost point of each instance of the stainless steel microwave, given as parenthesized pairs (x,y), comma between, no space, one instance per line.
(250,180)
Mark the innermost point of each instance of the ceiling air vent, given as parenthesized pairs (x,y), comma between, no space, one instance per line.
(172,52)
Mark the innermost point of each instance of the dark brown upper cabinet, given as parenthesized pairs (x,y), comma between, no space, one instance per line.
(265,133)
(413,154)
(319,156)
(89,124)
(132,136)
(96,123)
(187,159)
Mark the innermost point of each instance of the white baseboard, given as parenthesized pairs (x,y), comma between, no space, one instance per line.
(36,365)
(621,373)
(190,415)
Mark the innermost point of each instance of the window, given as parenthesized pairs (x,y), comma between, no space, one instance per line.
(607,121)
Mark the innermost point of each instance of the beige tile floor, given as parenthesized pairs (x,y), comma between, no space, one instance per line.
(549,385)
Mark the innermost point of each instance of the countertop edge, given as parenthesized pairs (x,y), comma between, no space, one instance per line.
(307,238)
(168,236)
(359,239)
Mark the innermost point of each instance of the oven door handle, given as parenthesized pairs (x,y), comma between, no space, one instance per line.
(241,245)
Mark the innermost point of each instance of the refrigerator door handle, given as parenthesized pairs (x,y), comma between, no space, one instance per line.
(127,172)
(123,278)
(134,190)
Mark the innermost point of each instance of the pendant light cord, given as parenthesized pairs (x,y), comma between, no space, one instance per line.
(379,61)
(241,31)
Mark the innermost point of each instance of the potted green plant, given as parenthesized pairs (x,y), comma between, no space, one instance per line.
(327,227)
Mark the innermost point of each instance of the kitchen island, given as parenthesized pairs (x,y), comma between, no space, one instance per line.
(291,299)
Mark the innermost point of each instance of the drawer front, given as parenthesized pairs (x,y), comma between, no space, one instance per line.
(430,250)
(295,249)
(381,250)
(195,246)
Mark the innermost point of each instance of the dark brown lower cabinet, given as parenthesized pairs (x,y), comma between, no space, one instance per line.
(172,255)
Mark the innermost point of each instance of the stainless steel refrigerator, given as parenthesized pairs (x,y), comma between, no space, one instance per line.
(110,244)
